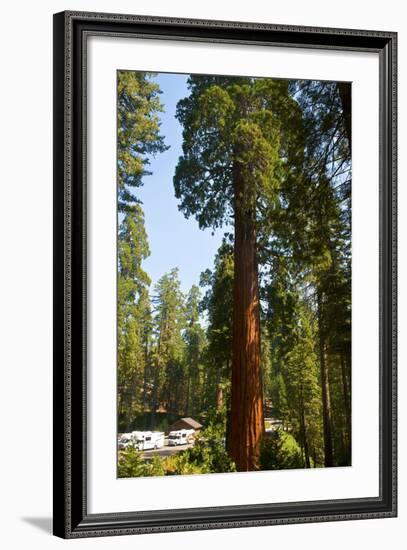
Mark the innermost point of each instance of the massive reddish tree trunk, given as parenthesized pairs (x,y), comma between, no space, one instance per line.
(246,419)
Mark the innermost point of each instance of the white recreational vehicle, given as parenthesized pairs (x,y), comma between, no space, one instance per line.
(180,437)
(144,441)
(124,441)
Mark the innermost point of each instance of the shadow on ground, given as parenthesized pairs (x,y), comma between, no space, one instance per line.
(44,524)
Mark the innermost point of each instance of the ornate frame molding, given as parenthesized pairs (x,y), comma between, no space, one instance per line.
(71,30)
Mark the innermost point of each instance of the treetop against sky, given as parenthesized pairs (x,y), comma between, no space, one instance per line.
(174,240)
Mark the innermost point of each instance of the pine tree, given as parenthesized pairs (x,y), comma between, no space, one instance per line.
(133,315)
(312,227)
(295,385)
(218,303)
(195,340)
(169,319)
(138,137)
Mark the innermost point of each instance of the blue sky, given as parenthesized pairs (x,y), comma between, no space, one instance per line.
(174,240)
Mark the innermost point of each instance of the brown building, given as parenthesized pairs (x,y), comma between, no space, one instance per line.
(185,424)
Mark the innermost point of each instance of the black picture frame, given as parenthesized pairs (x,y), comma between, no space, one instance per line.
(71,519)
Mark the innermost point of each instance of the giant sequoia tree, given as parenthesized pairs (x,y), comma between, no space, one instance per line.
(229,174)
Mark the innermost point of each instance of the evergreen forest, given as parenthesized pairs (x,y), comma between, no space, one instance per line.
(264,335)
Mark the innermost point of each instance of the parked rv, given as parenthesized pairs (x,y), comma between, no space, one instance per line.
(180,437)
(124,441)
(144,441)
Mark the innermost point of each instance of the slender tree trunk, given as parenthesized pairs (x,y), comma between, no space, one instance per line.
(314,455)
(187,406)
(155,394)
(146,373)
(345,94)
(192,390)
(347,400)
(120,400)
(219,391)
(326,401)
(247,419)
(304,436)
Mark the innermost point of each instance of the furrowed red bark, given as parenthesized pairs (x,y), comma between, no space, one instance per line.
(246,419)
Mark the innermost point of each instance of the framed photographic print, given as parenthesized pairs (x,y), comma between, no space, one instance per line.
(224,274)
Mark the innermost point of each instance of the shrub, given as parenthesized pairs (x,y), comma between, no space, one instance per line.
(209,451)
(280,451)
(155,467)
(131,464)
(182,465)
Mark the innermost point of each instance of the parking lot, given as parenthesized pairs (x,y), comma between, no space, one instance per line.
(165,451)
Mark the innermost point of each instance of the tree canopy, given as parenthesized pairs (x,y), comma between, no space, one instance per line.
(138,131)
